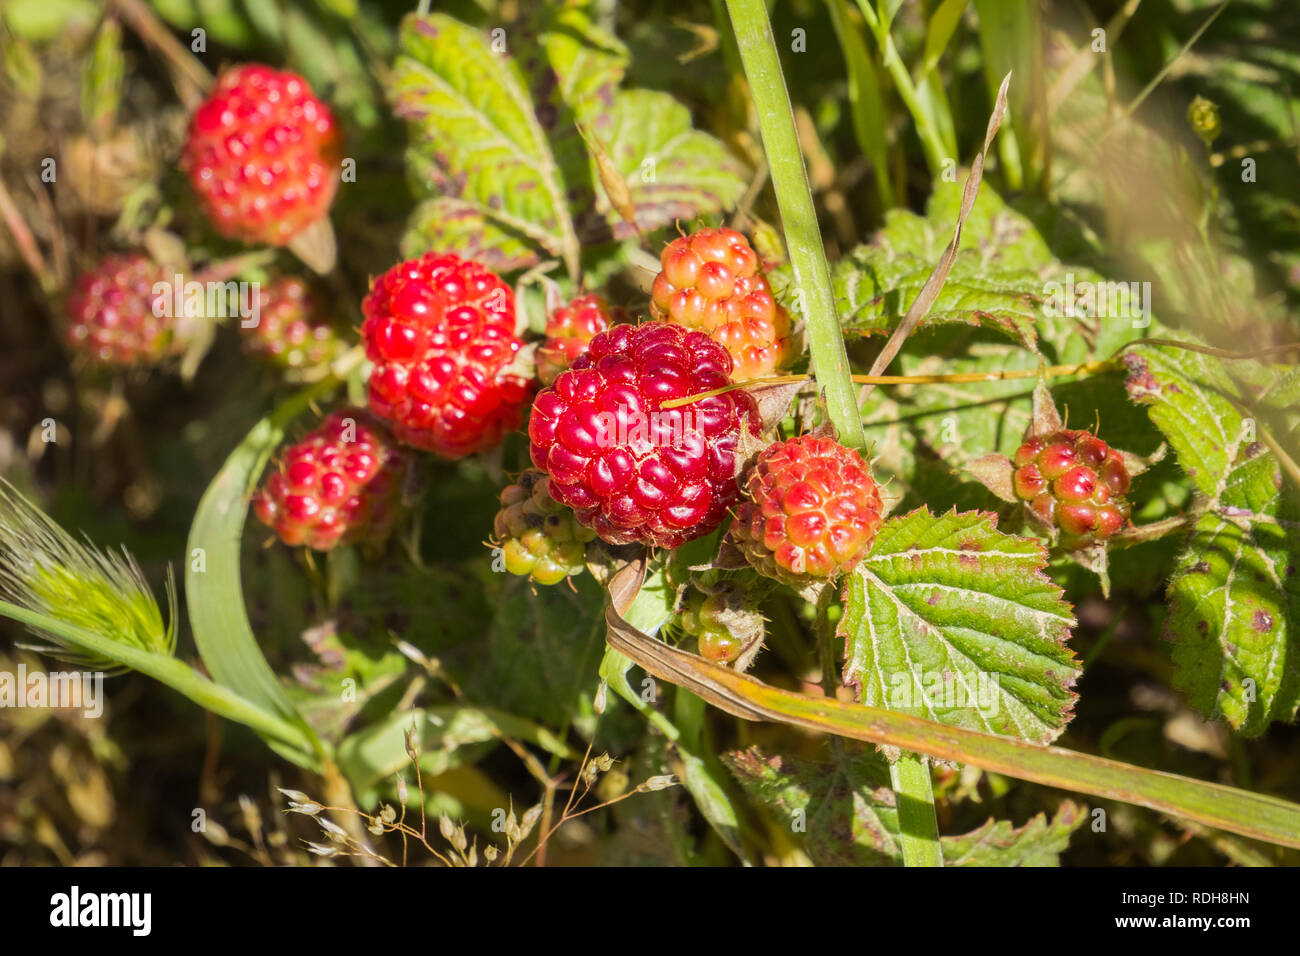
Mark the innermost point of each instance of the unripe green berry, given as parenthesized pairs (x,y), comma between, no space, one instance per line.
(539,537)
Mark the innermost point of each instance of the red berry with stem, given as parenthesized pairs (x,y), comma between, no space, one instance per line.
(114,317)
(811,510)
(1074,481)
(441,332)
(710,281)
(341,484)
(262,154)
(631,469)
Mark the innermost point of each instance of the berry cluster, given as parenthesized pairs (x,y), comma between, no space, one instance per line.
(262,155)
(711,282)
(810,513)
(1074,481)
(538,536)
(631,469)
(441,332)
(112,319)
(341,484)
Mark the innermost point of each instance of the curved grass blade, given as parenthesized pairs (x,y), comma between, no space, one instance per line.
(213,590)
(1252,815)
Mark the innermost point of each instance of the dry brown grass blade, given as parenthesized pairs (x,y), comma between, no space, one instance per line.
(1253,815)
(934,284)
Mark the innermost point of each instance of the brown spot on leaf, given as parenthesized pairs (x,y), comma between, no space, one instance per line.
(1140,381)
(1262,621)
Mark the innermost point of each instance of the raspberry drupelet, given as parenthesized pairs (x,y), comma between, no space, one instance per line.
(341,484)
(710,281)
(1074,481)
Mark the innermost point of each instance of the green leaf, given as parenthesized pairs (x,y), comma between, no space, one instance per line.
(845,814)
(379,751)
(449,223)
(540,650)
(1234,599)
(101,79)
(474,133)
(1187,394)
(587,62)
(496,141)
(672,171)
(1039,842)
(845,809)
(875,285)
(1233,604)
(950,619)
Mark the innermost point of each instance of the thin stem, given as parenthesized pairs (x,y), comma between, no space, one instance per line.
(24,240)
(931,141)
(812,274)
(195,79)
(1051,371)
(798,216)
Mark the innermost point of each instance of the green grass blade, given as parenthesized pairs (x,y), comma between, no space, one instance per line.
(798,216)
(865,100)
(213,591)
(808,257)
(918,830)
(288,736)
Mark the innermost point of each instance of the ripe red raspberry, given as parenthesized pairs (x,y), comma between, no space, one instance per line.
(568,330)
(629,468)
(262,154)
(711,282)
(441,332)
(291,330)
(810,513)
(112,319)
(340,484)
(1074,481)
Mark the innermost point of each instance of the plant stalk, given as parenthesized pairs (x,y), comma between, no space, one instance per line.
(826,339)
(918,830)
(798,217)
